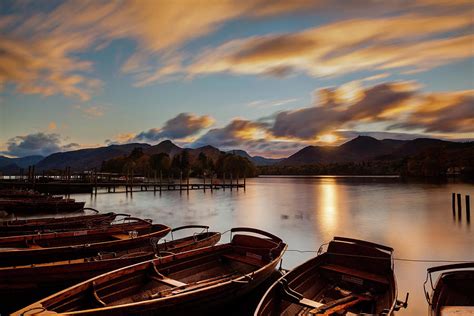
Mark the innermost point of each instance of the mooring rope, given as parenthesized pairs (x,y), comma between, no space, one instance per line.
(381,258)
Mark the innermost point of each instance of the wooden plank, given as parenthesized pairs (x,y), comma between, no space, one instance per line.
(168,281)
(121,236)
(244,259)
(356,273)
(457,311)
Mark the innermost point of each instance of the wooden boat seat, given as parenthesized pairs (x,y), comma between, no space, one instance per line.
(121,236)
(158,277)
(244,259)
(356,273)
(457,310)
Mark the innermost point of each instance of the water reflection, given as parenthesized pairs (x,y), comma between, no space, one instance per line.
(327,206)
(415,219)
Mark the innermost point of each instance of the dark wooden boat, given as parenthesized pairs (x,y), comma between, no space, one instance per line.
(25,284)
(12,193)
(35,225)
(79,244)
(185,283)
(42,205)
(351,277)
(74,237)
(453,293)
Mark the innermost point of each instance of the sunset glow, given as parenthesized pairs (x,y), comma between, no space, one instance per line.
(251,75)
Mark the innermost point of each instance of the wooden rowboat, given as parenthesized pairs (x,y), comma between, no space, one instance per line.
(185,283)
(80,244)
(74,237)
(351,278)
(33,226)
(11,193)
(25,284)
(453,293)
(42,205)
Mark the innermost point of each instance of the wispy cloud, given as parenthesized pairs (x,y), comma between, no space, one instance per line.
(409,42)
(270,103)
(90,111)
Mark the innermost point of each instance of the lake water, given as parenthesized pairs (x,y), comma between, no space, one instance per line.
(413,218)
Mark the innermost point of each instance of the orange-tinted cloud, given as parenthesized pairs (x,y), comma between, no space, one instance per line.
(445,112)
(396,42)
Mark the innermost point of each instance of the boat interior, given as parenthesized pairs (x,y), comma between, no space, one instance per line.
(169,276)
(454,294)
(348,279)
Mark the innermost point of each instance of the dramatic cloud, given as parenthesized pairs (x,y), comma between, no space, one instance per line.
(39,50)
(448,112)
(37,144)
(334,110)
(179,127)
(42,51)
(248,135)
(409,42)
(233,134)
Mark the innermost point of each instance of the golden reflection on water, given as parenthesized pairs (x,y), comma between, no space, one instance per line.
(327,207)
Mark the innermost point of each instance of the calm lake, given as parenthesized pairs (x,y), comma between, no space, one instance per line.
(413,218)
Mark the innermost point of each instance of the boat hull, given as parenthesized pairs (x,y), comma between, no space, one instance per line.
(319,281)
(190,282)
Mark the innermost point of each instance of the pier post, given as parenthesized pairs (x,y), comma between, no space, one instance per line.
(459,207)
(204,180)
(453,203)
(161,179)
(244,182)
(231,180)
(34,176)
(187,183)
(212,184)
(237,182)
(180,181)
(468,208)
(223,181)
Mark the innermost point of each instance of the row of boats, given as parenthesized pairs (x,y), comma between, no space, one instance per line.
(116,264)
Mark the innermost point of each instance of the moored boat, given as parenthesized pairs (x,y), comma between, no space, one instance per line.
(351,277)
(77,244)
(35,225)
(453,293)
(41,205)
(23,284)
(189,282)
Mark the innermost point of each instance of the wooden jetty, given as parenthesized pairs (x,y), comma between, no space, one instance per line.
(82,185)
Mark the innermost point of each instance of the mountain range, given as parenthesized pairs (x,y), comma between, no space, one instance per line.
(361,148)
(364,148)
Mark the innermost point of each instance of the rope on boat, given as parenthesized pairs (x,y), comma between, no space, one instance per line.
(380,258)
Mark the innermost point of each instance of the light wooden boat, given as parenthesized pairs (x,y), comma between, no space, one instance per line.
(187,283)
(453,293)
(25,284)
(351,277)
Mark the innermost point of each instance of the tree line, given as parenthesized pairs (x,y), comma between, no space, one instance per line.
(180,165)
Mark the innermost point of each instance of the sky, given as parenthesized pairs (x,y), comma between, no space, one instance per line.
(268,77)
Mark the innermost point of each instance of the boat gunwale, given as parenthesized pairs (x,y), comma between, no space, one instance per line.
(181,255)
(319,256)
